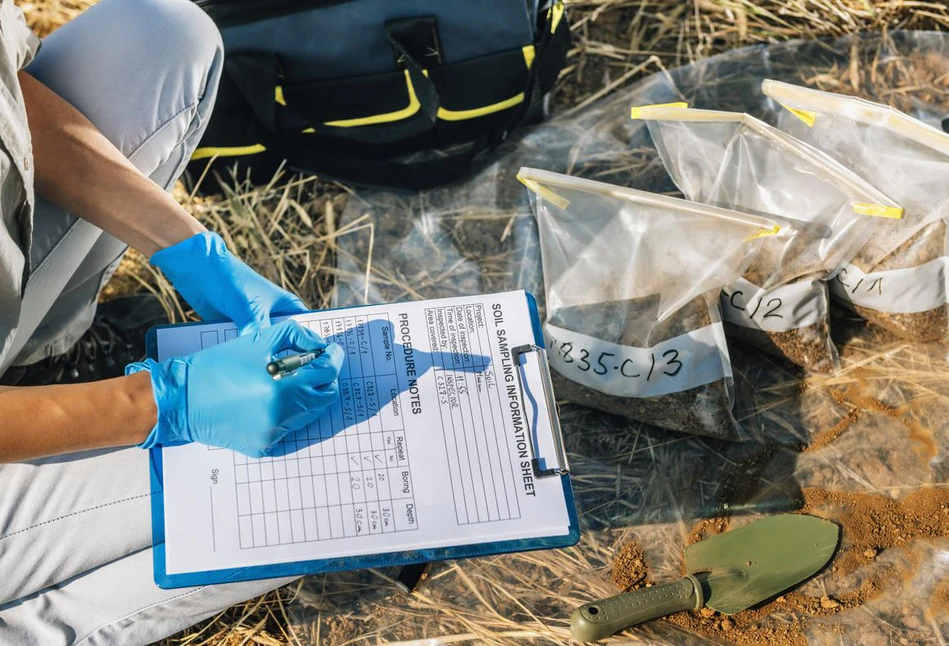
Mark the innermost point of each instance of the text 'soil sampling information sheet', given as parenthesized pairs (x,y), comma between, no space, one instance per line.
(429,445)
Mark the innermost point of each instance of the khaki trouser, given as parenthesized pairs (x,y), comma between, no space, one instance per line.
(75,531)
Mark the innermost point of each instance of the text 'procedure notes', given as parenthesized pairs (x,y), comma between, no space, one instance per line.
(427,446)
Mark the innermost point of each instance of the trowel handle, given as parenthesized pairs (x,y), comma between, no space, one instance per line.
(601,619)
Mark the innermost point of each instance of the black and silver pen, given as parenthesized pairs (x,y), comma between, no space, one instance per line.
(285,365)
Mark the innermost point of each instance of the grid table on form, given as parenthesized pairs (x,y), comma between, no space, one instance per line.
(346,474)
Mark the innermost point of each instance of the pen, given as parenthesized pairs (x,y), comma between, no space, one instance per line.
(285,365)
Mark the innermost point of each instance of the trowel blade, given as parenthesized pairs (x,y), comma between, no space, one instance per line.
(752,563)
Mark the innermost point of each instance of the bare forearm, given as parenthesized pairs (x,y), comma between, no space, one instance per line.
(49,420)
(77,168)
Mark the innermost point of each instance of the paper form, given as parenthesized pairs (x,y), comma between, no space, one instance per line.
(428,446)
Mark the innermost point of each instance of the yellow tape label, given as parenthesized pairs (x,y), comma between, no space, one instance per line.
(544,192)
(878,210)
(806,116)
(636,112)
(764,233)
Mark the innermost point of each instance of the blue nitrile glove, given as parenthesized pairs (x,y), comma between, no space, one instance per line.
(218,285)
(224,396)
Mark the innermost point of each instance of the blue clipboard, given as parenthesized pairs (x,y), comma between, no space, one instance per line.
(318,566)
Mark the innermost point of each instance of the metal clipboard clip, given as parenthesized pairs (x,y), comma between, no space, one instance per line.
(518,355)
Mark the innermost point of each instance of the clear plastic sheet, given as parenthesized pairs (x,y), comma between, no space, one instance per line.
(632,279)
(866,448)
(898,279)
(735,161)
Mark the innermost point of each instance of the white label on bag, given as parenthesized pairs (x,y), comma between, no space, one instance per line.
(694,359)
(780,309)
(897,291)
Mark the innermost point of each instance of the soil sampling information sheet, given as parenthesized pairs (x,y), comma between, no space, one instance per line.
(429,445)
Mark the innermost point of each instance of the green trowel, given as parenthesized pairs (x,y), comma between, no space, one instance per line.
(728,573)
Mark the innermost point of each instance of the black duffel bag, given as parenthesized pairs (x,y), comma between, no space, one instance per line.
(395,93)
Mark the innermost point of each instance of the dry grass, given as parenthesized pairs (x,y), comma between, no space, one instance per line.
(44,16)
(631,478)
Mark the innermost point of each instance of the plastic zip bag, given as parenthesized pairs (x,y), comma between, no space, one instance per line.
(632,280)
(898,279)
(733,160)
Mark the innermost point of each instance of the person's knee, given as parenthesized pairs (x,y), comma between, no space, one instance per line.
(147,42)
(161,58)
(189,40)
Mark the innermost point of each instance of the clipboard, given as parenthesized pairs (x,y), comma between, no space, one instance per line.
(545,464)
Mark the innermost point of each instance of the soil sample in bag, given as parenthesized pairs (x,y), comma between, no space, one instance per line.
(790,321)
(633,324)
(669,361)
(731,160)
(897,279)
(918,267)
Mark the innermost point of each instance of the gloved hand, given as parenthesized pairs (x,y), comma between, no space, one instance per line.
(219,286)
(224,396)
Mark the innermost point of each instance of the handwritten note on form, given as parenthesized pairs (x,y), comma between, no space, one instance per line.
(429,445)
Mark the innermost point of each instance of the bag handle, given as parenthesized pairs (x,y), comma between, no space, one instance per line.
(255,75)
(422,122)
